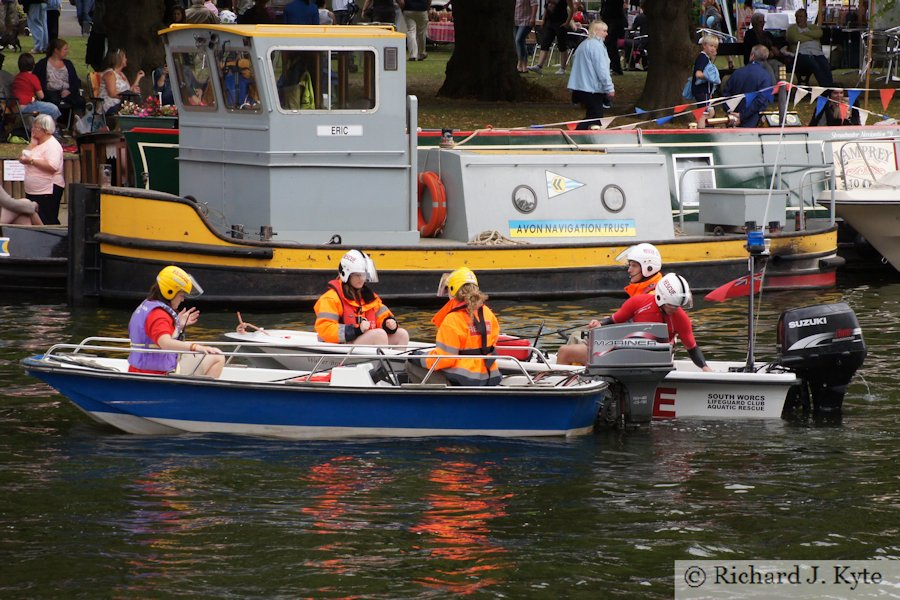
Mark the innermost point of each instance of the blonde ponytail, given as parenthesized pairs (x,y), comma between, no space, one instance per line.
(473,297)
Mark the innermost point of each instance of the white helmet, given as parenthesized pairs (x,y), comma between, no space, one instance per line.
(357,262)
(674,291)
(645,255)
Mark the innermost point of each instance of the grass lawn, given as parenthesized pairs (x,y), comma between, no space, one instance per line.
(550,100)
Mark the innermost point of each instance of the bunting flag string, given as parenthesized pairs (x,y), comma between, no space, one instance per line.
(815,93)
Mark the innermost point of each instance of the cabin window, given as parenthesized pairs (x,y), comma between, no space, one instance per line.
(324,79)
(237,74)
(194,80)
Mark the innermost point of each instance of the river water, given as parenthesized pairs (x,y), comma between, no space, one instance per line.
(88,512)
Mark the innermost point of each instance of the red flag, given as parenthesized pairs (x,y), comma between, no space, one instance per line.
(571,126)
(886,96)
(735,289)
(698,112)
(844,108)
(679,108)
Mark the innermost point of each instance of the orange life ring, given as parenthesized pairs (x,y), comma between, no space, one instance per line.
(432,182)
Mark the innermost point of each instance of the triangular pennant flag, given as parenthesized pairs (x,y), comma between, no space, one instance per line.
(698,112)
(886,96)
(664,120)
(863,116)
(799,94)
(639,111)
(560,184)
(605,121)
(844,108)
(732,103)
(820,104)
(571,126)
(852,95)
(815,92)
(629,126)
(683,107)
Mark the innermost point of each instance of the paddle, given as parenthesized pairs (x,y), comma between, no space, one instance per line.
(558,332)
(242,326)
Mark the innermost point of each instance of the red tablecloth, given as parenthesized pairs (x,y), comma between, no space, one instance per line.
(441,31)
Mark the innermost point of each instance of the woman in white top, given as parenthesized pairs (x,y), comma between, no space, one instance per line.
(115,82)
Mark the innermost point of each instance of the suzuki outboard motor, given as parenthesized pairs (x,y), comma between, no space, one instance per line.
(824,345)
(636,355)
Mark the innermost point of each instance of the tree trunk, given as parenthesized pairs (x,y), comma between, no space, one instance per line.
(483,64)
(670,52)
(133,26)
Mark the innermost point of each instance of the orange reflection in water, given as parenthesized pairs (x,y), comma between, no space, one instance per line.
(457,526)
(337,509)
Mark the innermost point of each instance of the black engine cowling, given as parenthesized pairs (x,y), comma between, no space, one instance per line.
(824,345)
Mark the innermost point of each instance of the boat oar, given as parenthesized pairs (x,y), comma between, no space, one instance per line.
(242,327)
(541,333)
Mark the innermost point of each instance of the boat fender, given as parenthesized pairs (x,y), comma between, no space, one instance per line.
(431,181)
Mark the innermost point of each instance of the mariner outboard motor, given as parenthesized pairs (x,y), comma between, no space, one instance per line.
(636,356)
(824,346)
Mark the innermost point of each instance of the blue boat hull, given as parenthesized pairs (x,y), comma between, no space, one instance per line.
(148,404)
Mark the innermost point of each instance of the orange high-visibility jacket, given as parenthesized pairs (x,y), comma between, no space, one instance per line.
(338,317)
(647,286)
(459,335)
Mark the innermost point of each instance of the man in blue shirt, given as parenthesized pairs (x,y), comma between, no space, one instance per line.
(590,81)
(748,79)
(301,12)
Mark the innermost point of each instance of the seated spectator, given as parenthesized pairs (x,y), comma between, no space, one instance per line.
(27,90)
(18,211)
(301,12)
(176,15)
(240,89)
(830,115)
(227,15)
(162,85)
(758,35)
(636,40)
(258,14)
(751,78)
(198,13)
(114,82)
(811,59)
(6,79)
(58,78)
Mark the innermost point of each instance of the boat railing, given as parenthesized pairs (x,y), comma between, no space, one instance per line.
(112,345)
(843,158)
(778,170)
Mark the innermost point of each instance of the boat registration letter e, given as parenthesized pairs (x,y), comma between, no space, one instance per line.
(338,130)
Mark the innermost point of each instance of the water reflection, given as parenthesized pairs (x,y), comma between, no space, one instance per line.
(455,528)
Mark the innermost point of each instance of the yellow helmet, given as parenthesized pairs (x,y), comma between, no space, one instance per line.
(450,283)
(172,280)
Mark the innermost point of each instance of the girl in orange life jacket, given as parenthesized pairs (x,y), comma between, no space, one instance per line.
(155,324)
(466,327)
(351,313)
(665,305)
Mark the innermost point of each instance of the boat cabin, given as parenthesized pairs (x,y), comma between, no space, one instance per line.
(307,131)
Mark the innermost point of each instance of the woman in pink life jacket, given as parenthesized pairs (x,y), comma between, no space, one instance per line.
(155,324)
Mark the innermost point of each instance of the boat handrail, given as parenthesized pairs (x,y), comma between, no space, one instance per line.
(56,351)
(843,159)
(571,143)
(829,171)
(779,167)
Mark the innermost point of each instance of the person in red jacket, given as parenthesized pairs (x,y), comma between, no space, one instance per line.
(351,313)
(665,305)
(466,327)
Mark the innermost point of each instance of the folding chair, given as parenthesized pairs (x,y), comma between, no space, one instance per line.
(11,111)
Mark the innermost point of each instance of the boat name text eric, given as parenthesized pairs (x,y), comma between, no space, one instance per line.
(338,130)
